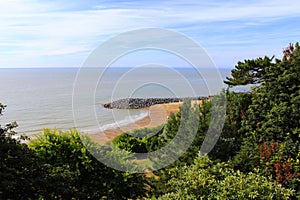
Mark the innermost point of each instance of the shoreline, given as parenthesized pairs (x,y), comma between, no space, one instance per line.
(157,114)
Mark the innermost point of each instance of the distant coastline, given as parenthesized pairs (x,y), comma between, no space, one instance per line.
(157,115)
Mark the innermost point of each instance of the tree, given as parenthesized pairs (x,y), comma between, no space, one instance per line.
(58,166)
(273,117)
(250,72)
(88,178)
(274,113)
(7,131)
(22,175)
(233,134)
(208,180)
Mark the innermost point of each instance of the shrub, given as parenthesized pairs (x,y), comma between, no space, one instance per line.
(87,177)
(206,180)
(22,175)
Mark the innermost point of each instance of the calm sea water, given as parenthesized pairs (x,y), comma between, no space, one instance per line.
(43,98)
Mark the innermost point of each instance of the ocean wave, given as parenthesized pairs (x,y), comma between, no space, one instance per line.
(127,120)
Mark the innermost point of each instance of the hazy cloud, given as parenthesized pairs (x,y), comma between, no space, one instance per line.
(62,30)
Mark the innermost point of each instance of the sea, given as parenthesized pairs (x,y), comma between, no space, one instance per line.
(67,98)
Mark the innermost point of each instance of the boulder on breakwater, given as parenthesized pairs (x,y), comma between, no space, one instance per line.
(135,103)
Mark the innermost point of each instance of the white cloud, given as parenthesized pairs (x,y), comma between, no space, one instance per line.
(37,28)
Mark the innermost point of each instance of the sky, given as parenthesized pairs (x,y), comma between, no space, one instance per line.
(62,33)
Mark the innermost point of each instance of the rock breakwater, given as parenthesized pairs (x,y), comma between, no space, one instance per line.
(135,103)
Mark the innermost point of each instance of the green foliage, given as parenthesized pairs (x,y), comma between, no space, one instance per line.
(138,141)
(177,143)
(273,117)
(208,180)
(86,176)
(226,147)
(257,156)
(270,112)
(250,72)
(186,121)
(274,113)
(233,133)
(22,175)
(131,144)
(6,132)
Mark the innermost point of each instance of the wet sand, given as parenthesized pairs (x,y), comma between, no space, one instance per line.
(158,114)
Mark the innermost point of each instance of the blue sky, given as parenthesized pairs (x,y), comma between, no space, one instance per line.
(62,33)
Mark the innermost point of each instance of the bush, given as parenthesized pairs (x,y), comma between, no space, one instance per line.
(137,141)
(22,175)
(206,180)
(86,176)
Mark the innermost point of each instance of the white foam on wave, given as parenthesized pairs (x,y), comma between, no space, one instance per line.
(127,120)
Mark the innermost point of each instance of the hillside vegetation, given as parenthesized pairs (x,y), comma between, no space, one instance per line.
(257,155)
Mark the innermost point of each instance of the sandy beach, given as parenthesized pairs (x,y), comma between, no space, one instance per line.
(158,114)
